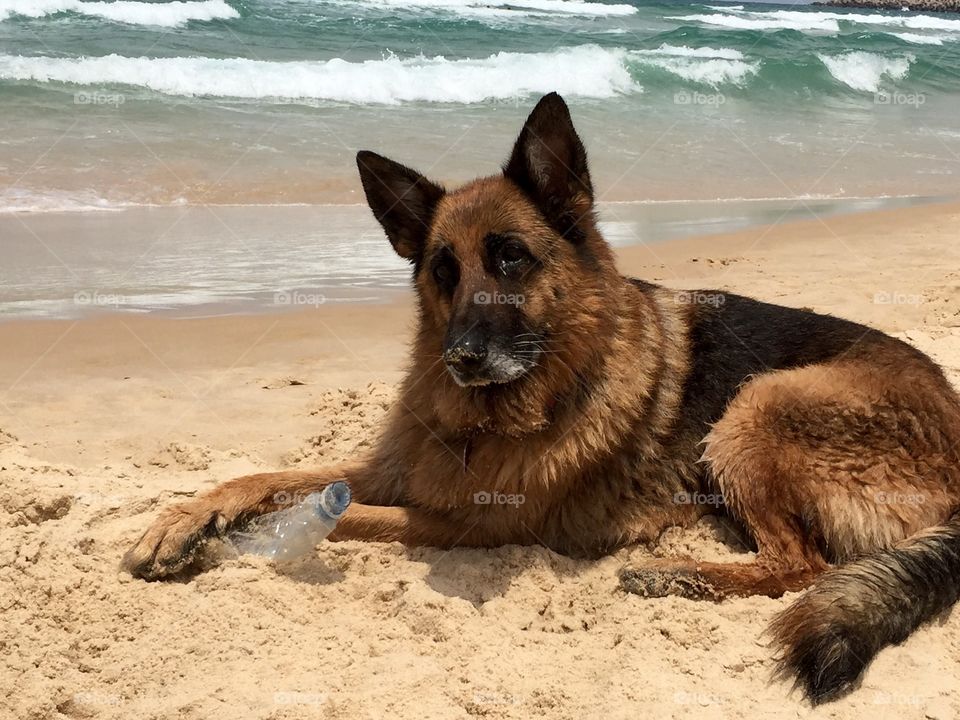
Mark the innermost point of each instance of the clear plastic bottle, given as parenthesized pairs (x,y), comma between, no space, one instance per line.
(294,531)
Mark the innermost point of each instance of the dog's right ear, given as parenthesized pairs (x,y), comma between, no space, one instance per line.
(549,163)
(402,200)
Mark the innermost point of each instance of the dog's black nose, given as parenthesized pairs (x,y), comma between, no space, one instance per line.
(466,355)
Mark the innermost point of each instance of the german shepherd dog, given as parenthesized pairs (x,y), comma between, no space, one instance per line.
(605,402)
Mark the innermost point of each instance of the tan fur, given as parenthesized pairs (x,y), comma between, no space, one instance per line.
(860,452)
(801,456)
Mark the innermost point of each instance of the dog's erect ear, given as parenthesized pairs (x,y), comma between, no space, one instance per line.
(402,200)
(549,163)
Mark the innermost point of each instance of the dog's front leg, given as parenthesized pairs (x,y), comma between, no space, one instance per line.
(171,542)
(415,526)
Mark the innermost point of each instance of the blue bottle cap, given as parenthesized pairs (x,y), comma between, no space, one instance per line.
(335,499)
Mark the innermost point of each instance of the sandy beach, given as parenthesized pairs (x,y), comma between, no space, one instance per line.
(105,420)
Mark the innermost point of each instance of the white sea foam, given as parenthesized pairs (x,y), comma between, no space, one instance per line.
(793,16)
(565,7)
(806,21)
(927,22)
(865,71)
(918,39)
(713,72)
(506,8)
(585,71)
(813,21)
(701,52)
(15,200)
(915,22)
(163,14)
(705,65)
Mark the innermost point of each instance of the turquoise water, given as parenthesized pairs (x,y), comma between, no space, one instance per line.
(266,101)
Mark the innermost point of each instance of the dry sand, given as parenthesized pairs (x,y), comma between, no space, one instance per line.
(106,420)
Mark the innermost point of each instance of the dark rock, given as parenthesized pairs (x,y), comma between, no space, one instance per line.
(943,6)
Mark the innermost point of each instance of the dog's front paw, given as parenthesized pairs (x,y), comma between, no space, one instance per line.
(658,580)
(171,542)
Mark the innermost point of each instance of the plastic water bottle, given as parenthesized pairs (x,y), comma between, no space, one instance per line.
(295,531)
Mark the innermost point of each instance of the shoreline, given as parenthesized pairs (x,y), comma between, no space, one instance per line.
(121,207)
(884,249)
(204,260)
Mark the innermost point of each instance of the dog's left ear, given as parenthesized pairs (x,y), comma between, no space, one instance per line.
(402,200)
(549,163)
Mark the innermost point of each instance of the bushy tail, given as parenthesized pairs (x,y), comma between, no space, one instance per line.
(829,636)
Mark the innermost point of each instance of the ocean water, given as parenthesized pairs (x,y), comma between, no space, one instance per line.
(207,260)
(265,102)
(198,155)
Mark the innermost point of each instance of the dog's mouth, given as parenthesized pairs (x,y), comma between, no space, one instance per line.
(496,367)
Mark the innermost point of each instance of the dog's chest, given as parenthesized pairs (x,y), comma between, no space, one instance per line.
(483,470)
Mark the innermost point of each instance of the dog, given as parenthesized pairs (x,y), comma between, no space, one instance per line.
(550,400)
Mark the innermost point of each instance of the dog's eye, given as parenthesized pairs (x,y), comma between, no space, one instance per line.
(512,257)
(445,274)
(511,253)
(442,274)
